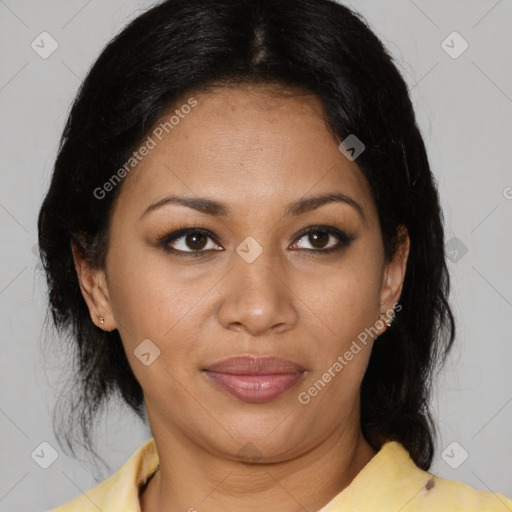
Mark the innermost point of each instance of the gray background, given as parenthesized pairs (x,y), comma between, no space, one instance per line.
(464,107)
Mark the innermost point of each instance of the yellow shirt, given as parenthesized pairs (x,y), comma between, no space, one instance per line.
(390,482)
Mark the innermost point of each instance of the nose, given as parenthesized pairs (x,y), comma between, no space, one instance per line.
(257,297)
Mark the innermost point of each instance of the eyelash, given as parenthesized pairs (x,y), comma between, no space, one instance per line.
(344,240)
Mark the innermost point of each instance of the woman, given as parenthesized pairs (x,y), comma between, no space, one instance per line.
(243,238)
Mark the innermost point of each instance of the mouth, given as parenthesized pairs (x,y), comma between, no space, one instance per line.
(255,379)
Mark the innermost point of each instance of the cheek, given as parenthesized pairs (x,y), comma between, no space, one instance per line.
(345,307)
(146,298)
(149,305)
(348,308)
(152,300)
(348,298)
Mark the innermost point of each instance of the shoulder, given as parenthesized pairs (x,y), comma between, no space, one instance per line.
(445,494)
(102,497)
(121,490)
(391,482)
(428,492)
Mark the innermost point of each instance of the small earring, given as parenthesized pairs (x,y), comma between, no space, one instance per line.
(389,321)
(102,320)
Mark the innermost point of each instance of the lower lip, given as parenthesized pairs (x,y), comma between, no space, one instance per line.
(255,388)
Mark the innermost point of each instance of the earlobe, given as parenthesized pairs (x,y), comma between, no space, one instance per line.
(94,290)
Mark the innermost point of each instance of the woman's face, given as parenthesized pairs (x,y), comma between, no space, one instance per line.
(253,282)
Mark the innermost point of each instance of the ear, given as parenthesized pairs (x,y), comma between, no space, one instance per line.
(94,289)
(394,274)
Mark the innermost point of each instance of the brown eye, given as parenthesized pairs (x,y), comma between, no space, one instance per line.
(322,239)
(189,241)
(196,242)
(319,239)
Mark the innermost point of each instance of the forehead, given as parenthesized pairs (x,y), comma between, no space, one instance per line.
(247,145)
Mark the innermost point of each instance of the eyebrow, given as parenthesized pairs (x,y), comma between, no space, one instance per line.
(218,209)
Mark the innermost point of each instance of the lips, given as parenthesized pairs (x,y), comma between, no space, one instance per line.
(255,379)
(255,365)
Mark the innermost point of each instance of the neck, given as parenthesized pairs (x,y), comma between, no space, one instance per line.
(223,484)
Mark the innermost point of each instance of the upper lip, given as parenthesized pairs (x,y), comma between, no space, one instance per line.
(255,365)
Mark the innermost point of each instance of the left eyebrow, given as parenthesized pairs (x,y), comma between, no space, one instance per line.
(307,204)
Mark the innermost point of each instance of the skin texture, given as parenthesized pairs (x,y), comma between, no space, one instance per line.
(256,151)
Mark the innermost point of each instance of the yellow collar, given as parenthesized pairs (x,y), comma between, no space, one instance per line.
(390,482)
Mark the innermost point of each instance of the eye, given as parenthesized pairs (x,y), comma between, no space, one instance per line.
(198,241)
(320,236)
(191,241)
